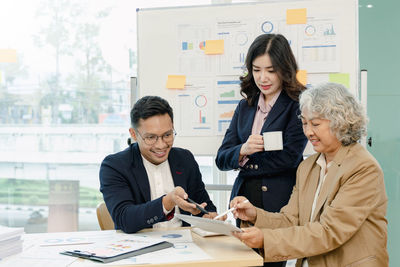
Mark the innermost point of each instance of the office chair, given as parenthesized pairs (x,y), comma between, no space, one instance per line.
(104,217)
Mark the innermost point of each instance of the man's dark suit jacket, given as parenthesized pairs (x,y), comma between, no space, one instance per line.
(277,169)
(126,189)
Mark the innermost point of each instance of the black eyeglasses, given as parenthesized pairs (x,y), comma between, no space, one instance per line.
(151,139)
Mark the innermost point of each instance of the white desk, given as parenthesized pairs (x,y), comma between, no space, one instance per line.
(223,251)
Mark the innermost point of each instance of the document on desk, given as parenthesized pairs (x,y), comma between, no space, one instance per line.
(119,248)
(216,226)
(37,256)
(181,252)
(73,238)
(184,249)
(172,236)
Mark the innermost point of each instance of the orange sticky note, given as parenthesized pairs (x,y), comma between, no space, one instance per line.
(8,55)
(296,16)
(176,81)
(302,77)
(214,47)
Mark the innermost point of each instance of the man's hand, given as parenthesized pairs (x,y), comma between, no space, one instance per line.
(172,199)
(177,197)
(190,207)
(252,237)
(244,209)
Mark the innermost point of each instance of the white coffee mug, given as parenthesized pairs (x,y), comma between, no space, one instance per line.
(273,141)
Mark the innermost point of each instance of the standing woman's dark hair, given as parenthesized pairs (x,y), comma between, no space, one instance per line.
(283,61)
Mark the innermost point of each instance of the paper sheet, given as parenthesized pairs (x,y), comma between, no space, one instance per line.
(216,226)
(184,250)
(172,236)
(40,257)
(71,238)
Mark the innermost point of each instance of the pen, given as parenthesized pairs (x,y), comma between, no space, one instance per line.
(197,206)
(231,209)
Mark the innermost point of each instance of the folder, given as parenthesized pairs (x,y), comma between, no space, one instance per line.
(118,249)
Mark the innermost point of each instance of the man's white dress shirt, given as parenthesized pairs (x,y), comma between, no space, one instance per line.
(161,183)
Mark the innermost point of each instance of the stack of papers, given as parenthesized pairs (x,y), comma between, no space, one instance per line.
(10,241)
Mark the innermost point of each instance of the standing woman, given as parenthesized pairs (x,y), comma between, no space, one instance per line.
(271,91)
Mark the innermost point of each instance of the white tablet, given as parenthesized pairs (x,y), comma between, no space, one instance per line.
(216,226)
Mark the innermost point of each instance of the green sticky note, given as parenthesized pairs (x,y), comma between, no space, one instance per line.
(342,78)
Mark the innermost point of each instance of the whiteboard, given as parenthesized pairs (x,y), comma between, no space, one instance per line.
(171,41)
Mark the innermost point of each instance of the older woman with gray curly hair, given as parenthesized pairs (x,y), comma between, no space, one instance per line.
(336,213)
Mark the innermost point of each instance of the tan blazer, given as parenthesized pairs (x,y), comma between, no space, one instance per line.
(349,227)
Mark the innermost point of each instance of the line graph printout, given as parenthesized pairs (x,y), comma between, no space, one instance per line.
(227,97)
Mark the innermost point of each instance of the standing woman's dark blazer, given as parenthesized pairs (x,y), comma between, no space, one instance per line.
(277,169)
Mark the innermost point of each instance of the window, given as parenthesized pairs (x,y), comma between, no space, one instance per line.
(64,105)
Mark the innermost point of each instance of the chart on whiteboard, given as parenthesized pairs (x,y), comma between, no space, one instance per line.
(193,108)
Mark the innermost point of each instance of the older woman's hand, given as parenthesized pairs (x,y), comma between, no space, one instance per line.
(252,237)
(244,210)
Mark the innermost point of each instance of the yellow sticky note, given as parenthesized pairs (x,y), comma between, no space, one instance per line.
(214,47)
(176,81)
(342,78)
(296,16)
(302,77)
(8,56)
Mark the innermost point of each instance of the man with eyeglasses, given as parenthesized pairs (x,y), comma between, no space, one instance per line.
(145,184)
